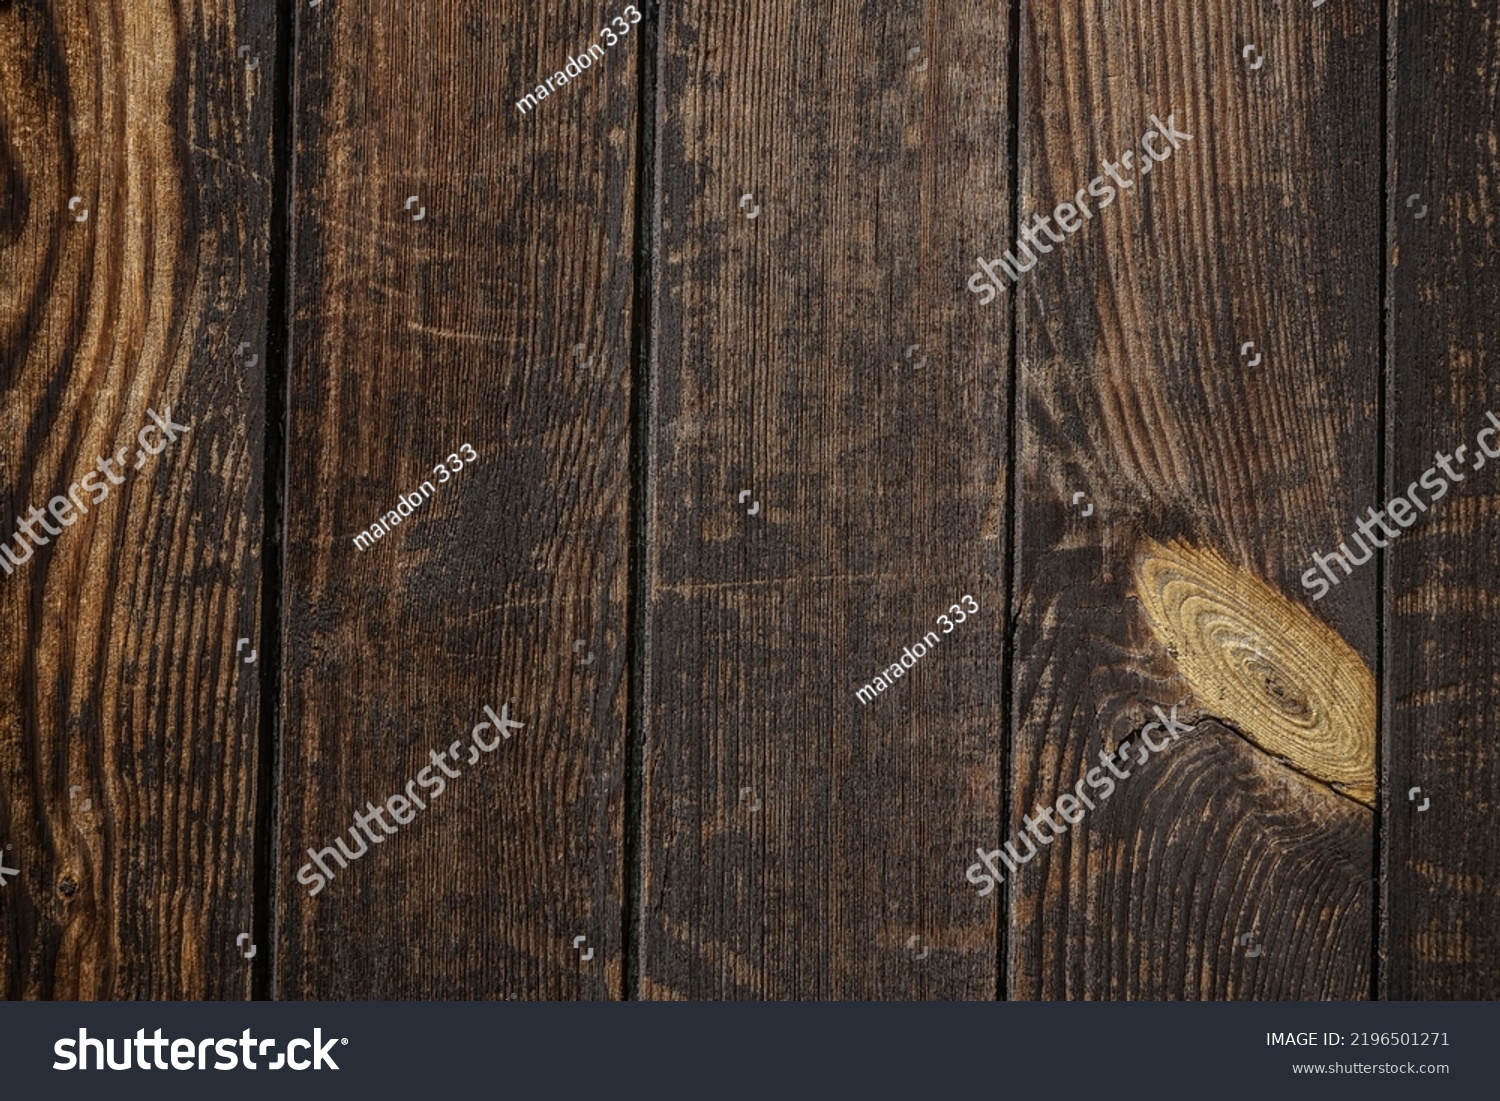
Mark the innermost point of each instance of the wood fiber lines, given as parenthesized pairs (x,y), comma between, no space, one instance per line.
(1441,914)
(821,173)
(134,204)
(1202,361)
(660,415)
(461,274)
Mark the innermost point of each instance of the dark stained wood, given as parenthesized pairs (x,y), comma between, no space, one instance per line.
(707,801)
(1264,227)
(409,338)
(794,839)
(128,725)
(1286,849)
(1441,934)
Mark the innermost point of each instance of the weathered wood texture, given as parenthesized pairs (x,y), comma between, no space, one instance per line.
(1441,884)
(1133,389)
(412,334)
(705,799)
(134,199)
(796,840)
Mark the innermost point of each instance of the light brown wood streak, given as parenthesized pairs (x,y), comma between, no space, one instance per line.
(1275,671)
(127,721)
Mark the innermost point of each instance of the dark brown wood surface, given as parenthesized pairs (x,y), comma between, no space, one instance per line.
(1264,227)
(416,329)
(134,209)
(1441,907)
(796,840)
(731,258)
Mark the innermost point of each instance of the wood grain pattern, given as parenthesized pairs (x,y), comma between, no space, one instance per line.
(729,257)
(1441,882)
(1262,227)
(1241,644)
(127,723)
(795,839)
(410,338)
(1284,850)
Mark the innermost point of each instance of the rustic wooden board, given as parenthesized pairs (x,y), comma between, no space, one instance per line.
(1441,935)
(128,746)
(796,840)
(416,329)
(706,800)
(1133,390)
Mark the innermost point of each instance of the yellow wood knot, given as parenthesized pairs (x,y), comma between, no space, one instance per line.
(1282,676)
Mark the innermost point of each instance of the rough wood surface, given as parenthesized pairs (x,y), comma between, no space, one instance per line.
(812,346)
(1441,884)
(699,805)
(415,329)
(134,205)
(1263,227)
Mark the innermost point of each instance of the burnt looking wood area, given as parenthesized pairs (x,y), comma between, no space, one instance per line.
(660,418)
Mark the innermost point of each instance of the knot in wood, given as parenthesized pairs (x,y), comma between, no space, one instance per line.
(1286,680)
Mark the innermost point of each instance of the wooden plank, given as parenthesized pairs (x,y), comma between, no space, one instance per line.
(1239,864)
(1441,935)
(135,151)
(827,476)
(450,254)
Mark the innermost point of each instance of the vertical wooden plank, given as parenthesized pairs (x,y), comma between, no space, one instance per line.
(1442,917)
(451,252)
(827,476)
(134,190)
(1238,862)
